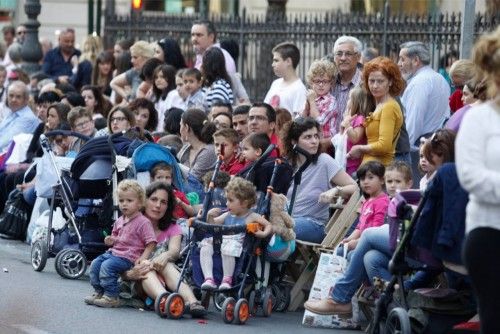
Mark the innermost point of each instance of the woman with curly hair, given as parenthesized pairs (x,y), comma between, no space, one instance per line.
(384,82)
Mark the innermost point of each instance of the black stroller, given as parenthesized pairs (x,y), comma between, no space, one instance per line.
(85,194)
(392,307)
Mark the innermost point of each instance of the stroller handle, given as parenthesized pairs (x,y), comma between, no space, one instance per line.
(223,229)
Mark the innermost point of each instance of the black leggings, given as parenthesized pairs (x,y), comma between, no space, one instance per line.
(482,259)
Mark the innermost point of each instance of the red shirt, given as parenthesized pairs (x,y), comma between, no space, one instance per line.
(233,167)
(456,100)
(178,210)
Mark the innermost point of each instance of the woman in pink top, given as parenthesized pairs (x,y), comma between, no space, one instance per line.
(373,210)
(160,273)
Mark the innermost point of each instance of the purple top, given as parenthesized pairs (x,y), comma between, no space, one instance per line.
(456,119)
(132,237)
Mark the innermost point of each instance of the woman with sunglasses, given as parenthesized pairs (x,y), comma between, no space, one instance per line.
(322,180)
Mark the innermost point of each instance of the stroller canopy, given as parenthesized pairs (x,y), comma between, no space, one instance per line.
(149,154)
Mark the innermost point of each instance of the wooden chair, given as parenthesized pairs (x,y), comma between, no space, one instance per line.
(308,253)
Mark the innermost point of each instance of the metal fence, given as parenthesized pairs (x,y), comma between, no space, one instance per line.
(314,34)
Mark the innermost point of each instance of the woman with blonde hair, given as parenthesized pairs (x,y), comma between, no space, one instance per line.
(461,71)
(140,52)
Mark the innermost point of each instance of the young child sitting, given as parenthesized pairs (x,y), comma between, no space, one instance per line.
(321,105)
(373,210)
(288,91)
(132,241)
(228,138)
(163,172)
(398,177)
(253,146)
(192,86)
(241,197)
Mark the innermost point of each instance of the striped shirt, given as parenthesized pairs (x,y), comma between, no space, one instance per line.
(341,93)
(220,90)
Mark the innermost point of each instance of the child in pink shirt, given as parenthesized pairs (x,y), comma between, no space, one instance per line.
(359,105)
(132,241)
(373,210)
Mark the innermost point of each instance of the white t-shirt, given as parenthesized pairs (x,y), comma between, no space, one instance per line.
(289,96)
(173,100)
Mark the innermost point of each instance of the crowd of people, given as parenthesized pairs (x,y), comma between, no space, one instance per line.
(366,123)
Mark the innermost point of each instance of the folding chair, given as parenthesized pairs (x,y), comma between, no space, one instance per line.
(308,253)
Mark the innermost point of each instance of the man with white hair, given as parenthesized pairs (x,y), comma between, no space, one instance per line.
(425,99)
(20,118)
(347,55)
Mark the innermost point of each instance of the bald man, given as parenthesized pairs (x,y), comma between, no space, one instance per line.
(19,118)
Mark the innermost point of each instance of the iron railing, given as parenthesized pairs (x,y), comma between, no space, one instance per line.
(314,34)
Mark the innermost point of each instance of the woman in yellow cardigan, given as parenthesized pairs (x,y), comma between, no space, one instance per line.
(384,82)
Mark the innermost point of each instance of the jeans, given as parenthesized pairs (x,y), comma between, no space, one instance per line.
(105,271)
(359,269)
(309,229)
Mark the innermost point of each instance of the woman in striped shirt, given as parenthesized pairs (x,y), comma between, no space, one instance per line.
(216,80)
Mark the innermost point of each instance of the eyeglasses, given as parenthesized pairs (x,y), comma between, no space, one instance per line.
(118,119)
(321,82)
(83,124)
(259,118)
(345,53)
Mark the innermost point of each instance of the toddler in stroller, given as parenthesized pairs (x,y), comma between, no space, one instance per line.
(241,197)
(132,241)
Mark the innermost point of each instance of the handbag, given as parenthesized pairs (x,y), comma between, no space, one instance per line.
(15,217)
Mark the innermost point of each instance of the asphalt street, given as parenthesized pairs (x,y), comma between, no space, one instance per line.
(45,303)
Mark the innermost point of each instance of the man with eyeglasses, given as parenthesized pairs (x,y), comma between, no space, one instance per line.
(80,120)
(262,119)
(347,55)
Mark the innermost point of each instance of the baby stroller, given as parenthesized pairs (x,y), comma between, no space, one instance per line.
(394,306)
(149,154)
(88,187)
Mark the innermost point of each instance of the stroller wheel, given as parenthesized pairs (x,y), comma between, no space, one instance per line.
(174,306)
(56,260)
(398,321)
(160,302)
(72,264)
(267,303)
(219,299)
(39,254)
(228,310)
(241,311)
(281,295)
(252,305)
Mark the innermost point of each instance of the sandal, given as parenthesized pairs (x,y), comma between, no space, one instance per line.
(197,310)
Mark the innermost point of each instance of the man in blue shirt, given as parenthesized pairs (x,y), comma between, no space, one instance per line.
(19,117)
(59,62)
(425,98)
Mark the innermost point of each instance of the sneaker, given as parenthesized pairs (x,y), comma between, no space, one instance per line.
(107,301)
(226,283)
(197,310)
(209,284)
(91,299)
